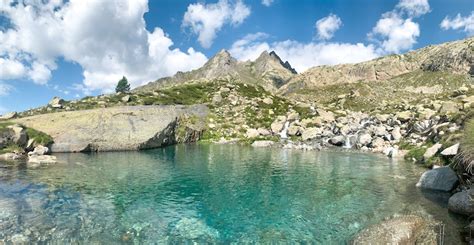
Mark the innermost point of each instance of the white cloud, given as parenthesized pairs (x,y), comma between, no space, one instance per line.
(327,26)
(11,69)
(5,89)
(303,55)
(107,39)
(414,8)
(396,31)
(267,2)
(206,20)
(459,22)
(397,34)
(249,47)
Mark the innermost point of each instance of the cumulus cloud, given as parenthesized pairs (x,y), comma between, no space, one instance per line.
(303,55)
(107,39)
(414,8)
(206,20)
(267,2)
(396,31)
(397,34)
(327,26)
(465,24)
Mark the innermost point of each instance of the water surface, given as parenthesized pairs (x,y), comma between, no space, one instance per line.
(211,194)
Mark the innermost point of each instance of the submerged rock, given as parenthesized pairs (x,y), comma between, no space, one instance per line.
(262,143)
(439,179)
(406,229)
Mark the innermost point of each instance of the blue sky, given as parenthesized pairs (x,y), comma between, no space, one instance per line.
(77,48)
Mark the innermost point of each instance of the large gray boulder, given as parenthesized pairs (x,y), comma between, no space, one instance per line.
(439,179)
(120,128)
(462,202)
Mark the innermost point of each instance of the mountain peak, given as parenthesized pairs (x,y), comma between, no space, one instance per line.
(265,56)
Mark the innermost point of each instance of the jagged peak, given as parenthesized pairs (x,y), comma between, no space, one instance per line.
(265,55)
(223,57)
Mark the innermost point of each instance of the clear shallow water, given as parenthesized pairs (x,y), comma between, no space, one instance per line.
(211,193)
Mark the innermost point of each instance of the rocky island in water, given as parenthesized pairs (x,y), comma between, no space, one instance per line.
(245,152)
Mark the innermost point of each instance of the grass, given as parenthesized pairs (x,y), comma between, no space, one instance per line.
(465,158)
(39,137)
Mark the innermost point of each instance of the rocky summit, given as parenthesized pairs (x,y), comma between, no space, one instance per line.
(268,70)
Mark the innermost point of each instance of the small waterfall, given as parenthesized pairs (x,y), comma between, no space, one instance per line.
(347,143)
(284,132)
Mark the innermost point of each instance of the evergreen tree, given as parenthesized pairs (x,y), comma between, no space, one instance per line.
(123,86)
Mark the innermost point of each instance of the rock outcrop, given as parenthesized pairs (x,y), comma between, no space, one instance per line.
(454,57)
(120,128)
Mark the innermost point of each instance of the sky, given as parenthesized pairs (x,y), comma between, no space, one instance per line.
(77,48)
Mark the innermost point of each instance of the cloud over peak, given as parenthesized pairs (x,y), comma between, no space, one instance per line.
(206,20)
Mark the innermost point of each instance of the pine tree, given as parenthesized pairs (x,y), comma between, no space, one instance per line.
(123,86)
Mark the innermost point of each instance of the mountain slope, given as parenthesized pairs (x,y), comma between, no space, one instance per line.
(455,57)
(268,70)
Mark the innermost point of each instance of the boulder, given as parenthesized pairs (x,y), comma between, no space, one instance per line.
(326,116)
(39,151)
(310,133)
(293,116)
(294,130)
(404,229)
(120,128)
(262,143)
(8,116)
(380,131)
(217,98)
(56,102)
(451,151)
(126,98)
(37,160)
(264,132)
(19,136)
(462,202)
(430,152)
(267,101)
(449,107)
(337,140)
(10,156)
(439,179)
(404,116)
(382,117)
(252,133)
(396,134)
(365,139)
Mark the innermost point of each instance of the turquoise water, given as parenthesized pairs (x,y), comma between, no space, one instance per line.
(211,194)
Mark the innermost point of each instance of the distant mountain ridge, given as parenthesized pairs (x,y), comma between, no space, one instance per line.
(275,75)
(268,70)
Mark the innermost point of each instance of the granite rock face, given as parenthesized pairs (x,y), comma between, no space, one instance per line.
(120,128)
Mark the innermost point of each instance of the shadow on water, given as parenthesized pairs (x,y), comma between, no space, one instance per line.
(211,194)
